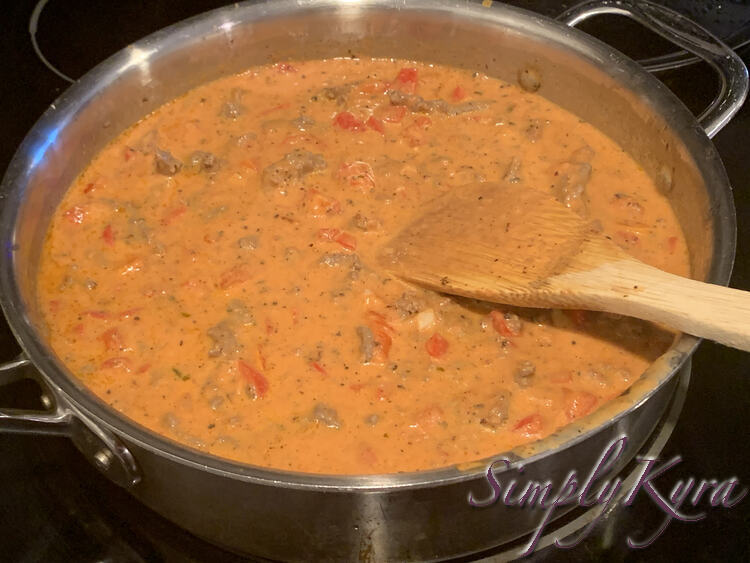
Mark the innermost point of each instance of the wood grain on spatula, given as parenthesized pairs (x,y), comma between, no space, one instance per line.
(522,247)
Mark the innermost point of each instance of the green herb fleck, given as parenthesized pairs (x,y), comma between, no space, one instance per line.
(183,376)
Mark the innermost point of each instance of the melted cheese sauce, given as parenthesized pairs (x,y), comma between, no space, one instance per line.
(211,274)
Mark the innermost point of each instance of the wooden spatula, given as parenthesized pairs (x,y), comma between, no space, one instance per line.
(522,247)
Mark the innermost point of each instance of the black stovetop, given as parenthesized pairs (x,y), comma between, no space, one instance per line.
(55,507)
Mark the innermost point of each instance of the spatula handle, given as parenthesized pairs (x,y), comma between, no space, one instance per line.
(701,309)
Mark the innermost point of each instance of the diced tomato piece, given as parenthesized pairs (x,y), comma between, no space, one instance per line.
(54,305)
(375,124)
(423,121)
(75,214)
(366,455)
(317,367)
(407,79)
(143,369)
(458,94)
(415,132)
(383,339)
(627,238)
(112,339)
(335,235)
(254,378)
(285,68)
(172,214)
(430,417)
(108,235)
(347,241)
(436,345)
(123,363)
(97,314)
(303,138)
(347,121)
(272,109)
(672,244)
(90,187)
(357,387)
(381,332)
(358,174)
(128,153)
(530,425)
(318,204)
(234,276)
(78,329)
(374,87)
(261,356)
(501,325)
(391,114)
(579,403)
(578,316)
(328,234)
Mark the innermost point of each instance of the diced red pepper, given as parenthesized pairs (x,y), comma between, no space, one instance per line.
(458,94)
(501,326)
(347,121)
(407,79)
(375,124)
(112,339)
(108,235)
(436,345)
(253,377)
(579,403)
(75,214)
(530,425)
(317,367)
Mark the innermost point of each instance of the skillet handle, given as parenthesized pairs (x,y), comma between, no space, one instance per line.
(60,418)
(690,36)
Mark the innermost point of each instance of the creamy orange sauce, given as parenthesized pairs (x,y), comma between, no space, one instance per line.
(211,274)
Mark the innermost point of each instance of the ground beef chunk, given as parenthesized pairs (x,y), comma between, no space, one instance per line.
(292,167)
(165,163)
(366,343)
(224,340)
(324,414)
(420,105)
